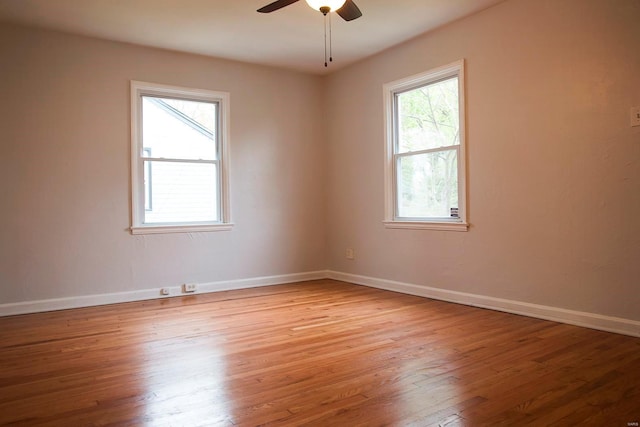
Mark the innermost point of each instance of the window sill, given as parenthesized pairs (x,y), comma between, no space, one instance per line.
(426,225)
(163,229)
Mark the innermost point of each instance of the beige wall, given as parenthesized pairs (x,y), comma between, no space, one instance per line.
(553,164)
(65,185)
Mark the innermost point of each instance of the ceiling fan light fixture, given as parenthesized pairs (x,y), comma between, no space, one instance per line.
(333,5)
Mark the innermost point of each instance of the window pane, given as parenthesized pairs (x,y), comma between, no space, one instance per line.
(428,116)
(428,185)
(178,129)
(182,192)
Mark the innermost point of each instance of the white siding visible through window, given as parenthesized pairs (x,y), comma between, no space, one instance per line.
(181,192)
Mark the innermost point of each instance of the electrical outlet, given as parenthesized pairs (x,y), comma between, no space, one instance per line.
(189,287)
(634,114)
(165,291)
(350,254)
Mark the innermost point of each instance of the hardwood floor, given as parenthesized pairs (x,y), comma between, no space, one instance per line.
(320,353)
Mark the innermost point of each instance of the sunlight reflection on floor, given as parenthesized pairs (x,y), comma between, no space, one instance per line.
(186,381)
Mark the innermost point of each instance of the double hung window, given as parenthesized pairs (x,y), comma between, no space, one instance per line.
(425,151)
(179,159)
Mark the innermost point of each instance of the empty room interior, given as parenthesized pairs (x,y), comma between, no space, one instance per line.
(243,213)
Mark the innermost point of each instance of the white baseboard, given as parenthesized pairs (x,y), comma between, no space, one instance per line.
(572,317)
(26,307)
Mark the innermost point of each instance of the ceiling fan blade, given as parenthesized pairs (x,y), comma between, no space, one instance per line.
(278,4)
(349,11)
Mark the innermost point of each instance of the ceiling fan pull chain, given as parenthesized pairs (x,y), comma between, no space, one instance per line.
(325,40)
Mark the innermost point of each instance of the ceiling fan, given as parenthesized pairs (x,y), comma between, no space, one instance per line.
(346,9)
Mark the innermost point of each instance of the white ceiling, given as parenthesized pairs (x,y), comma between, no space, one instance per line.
(291,37)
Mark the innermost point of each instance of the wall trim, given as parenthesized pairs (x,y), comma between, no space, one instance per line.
(39,306)
(578,318)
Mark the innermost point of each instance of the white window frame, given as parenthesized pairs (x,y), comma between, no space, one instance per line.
(222,99)
(390,90)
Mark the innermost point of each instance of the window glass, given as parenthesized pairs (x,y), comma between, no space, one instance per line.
(428,184)
(178,129)
(428,116)
(182,193)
